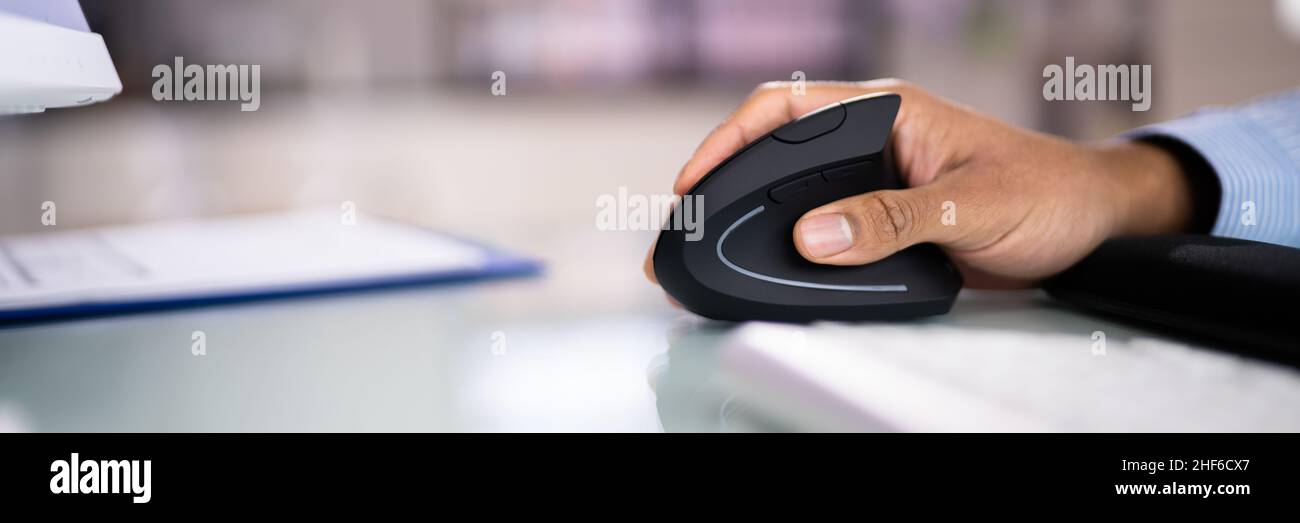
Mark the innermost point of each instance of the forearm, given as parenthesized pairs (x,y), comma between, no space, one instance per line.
(1151,194)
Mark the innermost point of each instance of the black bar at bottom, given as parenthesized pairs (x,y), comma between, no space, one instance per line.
(327,470)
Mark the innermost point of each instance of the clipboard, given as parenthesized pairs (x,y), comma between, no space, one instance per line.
(191,263)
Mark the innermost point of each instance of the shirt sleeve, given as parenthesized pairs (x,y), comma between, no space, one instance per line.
(1254,150)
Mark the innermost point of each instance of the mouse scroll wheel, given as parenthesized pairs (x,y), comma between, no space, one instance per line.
(812,125)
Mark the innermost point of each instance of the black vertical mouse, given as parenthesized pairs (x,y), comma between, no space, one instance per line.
(742,263)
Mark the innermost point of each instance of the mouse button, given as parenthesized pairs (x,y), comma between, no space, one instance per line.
(872,121)
(846,171)
(789,190)
(812,125)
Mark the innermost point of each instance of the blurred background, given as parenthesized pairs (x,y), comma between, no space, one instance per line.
(388,103)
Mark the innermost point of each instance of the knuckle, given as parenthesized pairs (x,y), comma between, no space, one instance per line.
(890,218)
(724,129)
(900,86)
(773,89)
(731,129)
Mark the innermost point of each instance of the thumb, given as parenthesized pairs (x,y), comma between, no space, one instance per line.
(868,227)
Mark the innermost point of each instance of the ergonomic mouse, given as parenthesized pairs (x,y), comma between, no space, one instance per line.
(741,264)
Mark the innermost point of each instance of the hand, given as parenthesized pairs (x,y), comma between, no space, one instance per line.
(1024,205)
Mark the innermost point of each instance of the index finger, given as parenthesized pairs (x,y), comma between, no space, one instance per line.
(772,105)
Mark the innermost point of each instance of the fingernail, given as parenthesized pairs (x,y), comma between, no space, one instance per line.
(825,234)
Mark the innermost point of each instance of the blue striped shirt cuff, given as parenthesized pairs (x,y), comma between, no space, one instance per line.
(1255,152)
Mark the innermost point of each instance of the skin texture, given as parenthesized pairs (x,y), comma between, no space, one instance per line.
(1026,205)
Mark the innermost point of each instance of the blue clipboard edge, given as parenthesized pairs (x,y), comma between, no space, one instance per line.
(500,264)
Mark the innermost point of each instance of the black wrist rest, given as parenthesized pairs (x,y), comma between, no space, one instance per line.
(1239,295)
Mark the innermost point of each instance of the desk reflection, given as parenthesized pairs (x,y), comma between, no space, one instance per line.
(692,394)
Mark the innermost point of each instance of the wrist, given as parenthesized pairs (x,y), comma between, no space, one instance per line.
(1148,191)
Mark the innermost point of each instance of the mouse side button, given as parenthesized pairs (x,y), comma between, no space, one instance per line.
(840,173)
(786,191)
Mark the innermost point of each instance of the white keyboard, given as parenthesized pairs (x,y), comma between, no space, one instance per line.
(948,378)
